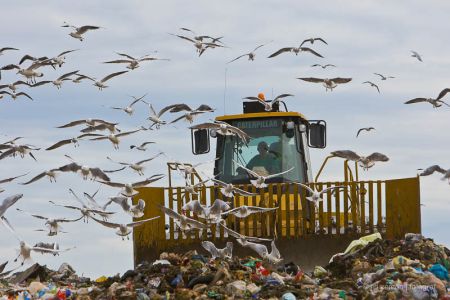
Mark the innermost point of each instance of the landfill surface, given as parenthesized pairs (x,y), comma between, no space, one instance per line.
(370,268)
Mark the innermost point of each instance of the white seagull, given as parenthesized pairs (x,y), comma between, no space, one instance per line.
(316,196)
(228,189)
(366,162)
(79,31)
(184,223)
(273,257)
(124,230)
(128,189)
(224,253)
(437,168)
(137,166)
(210,213)
(129,109)
(259,182)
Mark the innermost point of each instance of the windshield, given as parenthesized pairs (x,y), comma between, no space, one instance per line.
(271,150)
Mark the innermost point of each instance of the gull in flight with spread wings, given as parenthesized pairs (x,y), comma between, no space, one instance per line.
(129,109)
(136,211)
(223,128)
(328,83)
(224,253)
(142,147)
(245,211)
(184,223)
(323,66)
(113,138)
(437,168)
(383,77)
(366,162)
(209,213)
(268,104)
(251,55)
(416,55)
(79,31)
(273,257)
(52,224)
(435,102)
(137,166)
(128,189)
(228,189)
(58,81)
(13,149)
(101,84)
(133,63)
(14,95)
(259,182)
(316,196)
(124,230)
(364,129)
(295,50)
(372,85)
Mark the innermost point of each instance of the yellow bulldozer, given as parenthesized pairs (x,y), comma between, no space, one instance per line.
(305,233)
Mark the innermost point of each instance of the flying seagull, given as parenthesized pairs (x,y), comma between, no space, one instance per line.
(137,166)
(259,182)
(129,109)
(365,129)
(51,174)
(113,138)
(224,129)
(184,223)
(79,31)
(223,253)
(13,86)
(228,189)
(101,84)
(416,55)
(435,102)
(316,196)
(8,202)
(295,50)
(133,63)
(85,171)
(210,213)
(14,95)
(129,188)
(199,45)
(141,147)
(251,55)
(124,230)
(273,257)
(383,77)
(58,81)
(372,85)
(329,84)
(13,150)
(312,40)
(323,66)
(437,168)
(5,49)
(366,162)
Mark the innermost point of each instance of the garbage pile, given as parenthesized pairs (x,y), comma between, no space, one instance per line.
(370,268)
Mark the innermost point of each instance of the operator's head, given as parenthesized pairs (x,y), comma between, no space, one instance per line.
(263,148)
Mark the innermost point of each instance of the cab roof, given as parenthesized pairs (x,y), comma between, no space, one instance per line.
(261,115)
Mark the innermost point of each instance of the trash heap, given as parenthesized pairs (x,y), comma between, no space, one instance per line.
(370,268)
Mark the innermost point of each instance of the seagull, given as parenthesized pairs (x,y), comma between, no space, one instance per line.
(209,213)
(435,102)
(7,203)
(201,37)
(268,105)
(74,141)
(51,174)
(51,223)
(49,246)
(92,204)
(138,166)
(224,129)
(416,55)
(184,223)
(9,180)
(273,257)
(79,31)
(241,237)
(316,196)
(29,73)
(251,55)
(90,122)
(199,45)
(383,77)
(323,66)
(187,170)
(13,149)
(437,168)
(184,107)
(141,147)
(101,83)
(137,211)
(129,109)
(312,40)
(113,138)
(129,188)
(245,211)
(365,162)
(189,116)
(58,81)
(13,86)
(228,189)
(59,60)
(156,117)
(372,85)
(295,50)
(15,95)
(329,84)
(133,63)
(124,230)
(80,78)
(85,171)
(192,188)
(6,48)
(259,182)
(366,129)
(224,253)
(112,128)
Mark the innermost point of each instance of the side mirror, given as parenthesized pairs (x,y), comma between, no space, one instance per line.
(200,141)
(317,134)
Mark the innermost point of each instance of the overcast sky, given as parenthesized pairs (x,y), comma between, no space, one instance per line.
(366,37)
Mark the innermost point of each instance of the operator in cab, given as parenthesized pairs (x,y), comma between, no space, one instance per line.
(264,163)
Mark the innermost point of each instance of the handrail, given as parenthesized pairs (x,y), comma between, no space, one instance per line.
(322,167)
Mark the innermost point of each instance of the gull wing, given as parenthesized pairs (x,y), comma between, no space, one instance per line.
(376,156)
(85,28)
(194,206)
(64,220)
(310,51)
(311,79)
(219,206)
(278,174)
(431,170)
(60,144)
(112,75)
(254,174)
(67,75)
(73,123)
(11,178)
(8,226)
(334,188)
(106,224)
(305,186)
(282,96)
(443,93)
(180,107)
(211,248)
(24,94)
(184,38)
(149,180)
(341,80)
(205,126)
(347,154)
(243,193)
(97,172)
(274,251)
(8,202)
(118,61)
(77,198)
(149,159)
(72,167)
(138,223)
(127,133)
(258,248)
(113,184)
(36,216)
(37,177)
(282,50)
(66,52)
(416,100)
(171,213)
(125,55)
(246,54)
